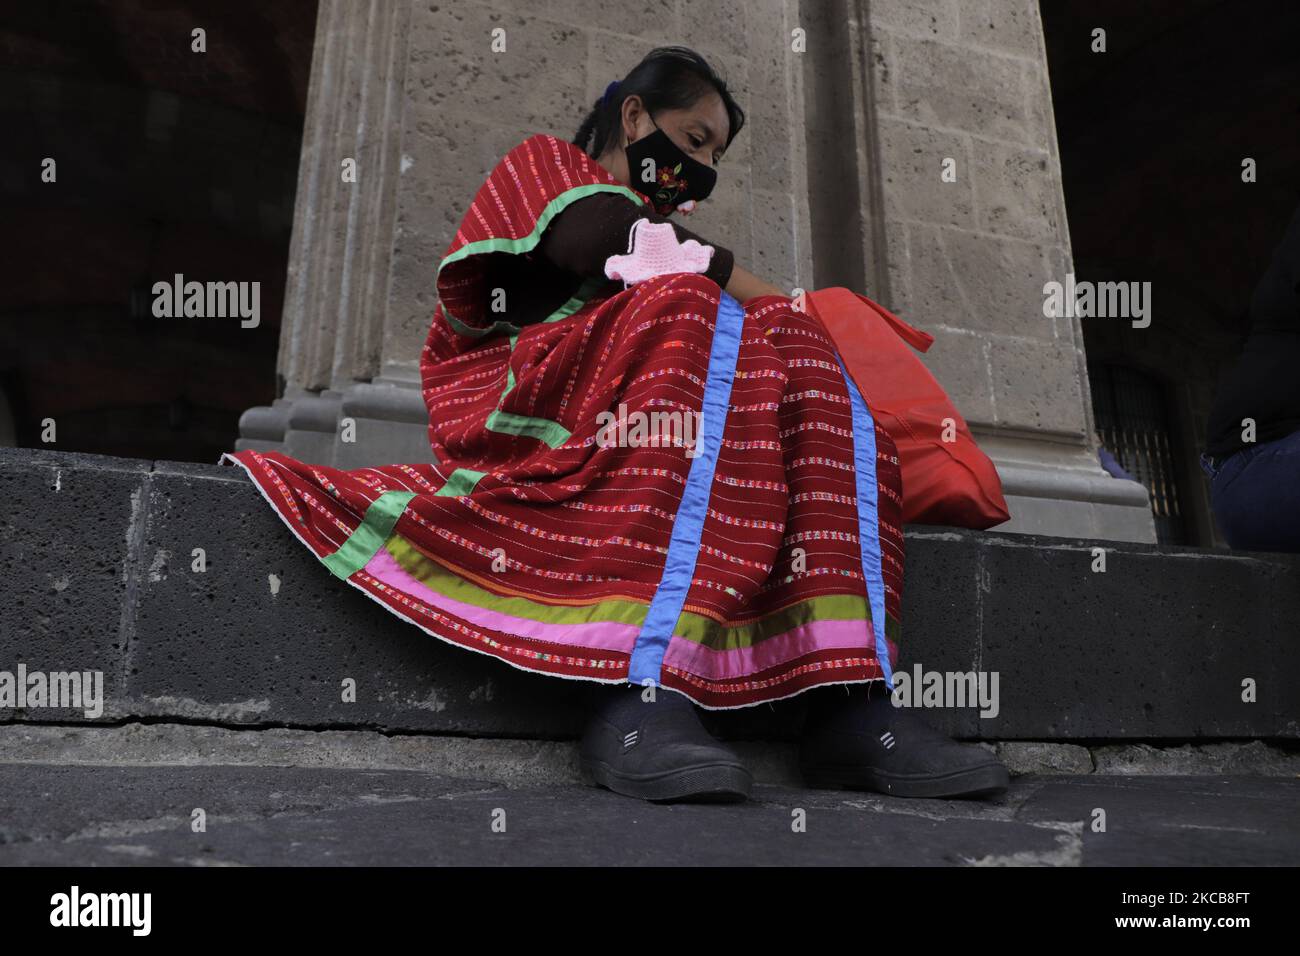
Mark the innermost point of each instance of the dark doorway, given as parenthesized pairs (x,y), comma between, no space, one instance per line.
(1153,135)
(131,157)
(1133,420)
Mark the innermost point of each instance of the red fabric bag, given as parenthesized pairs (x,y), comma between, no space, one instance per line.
(944,482)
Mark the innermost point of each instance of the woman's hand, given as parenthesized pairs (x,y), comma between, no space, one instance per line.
(744,285)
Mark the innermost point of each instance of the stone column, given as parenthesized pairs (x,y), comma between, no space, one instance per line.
(336,314)
(895,90)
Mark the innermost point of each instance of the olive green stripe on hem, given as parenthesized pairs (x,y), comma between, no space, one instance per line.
(369,536)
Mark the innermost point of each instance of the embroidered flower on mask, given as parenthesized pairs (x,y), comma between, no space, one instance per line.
(670,186)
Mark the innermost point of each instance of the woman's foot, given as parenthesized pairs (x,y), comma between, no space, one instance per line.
(861,741)
(659,751)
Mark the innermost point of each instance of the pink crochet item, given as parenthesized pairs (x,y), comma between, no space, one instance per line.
(655,251)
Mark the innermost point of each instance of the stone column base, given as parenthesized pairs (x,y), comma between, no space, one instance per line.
(1061,490)
(391,423)
(367,423)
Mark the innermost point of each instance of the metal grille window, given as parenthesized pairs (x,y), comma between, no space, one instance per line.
(1135,426)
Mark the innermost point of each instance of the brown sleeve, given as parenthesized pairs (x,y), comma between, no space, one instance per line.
(589,231)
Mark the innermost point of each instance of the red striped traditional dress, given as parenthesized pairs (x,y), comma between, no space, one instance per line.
(536,542)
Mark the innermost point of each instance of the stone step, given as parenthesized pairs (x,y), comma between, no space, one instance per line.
(96,553)
(329,816)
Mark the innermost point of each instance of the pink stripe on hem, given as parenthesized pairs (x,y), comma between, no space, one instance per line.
(605,635)
(608,635)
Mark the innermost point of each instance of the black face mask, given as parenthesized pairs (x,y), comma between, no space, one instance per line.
(674,176)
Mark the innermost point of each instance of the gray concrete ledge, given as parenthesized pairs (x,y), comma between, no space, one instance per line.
(96,560)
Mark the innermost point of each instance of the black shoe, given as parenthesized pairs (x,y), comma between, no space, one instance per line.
(857,742)
(659,751)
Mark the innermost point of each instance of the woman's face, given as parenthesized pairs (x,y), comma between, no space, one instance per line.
(700,131)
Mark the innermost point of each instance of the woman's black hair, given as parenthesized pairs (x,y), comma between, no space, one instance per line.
(670,77)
